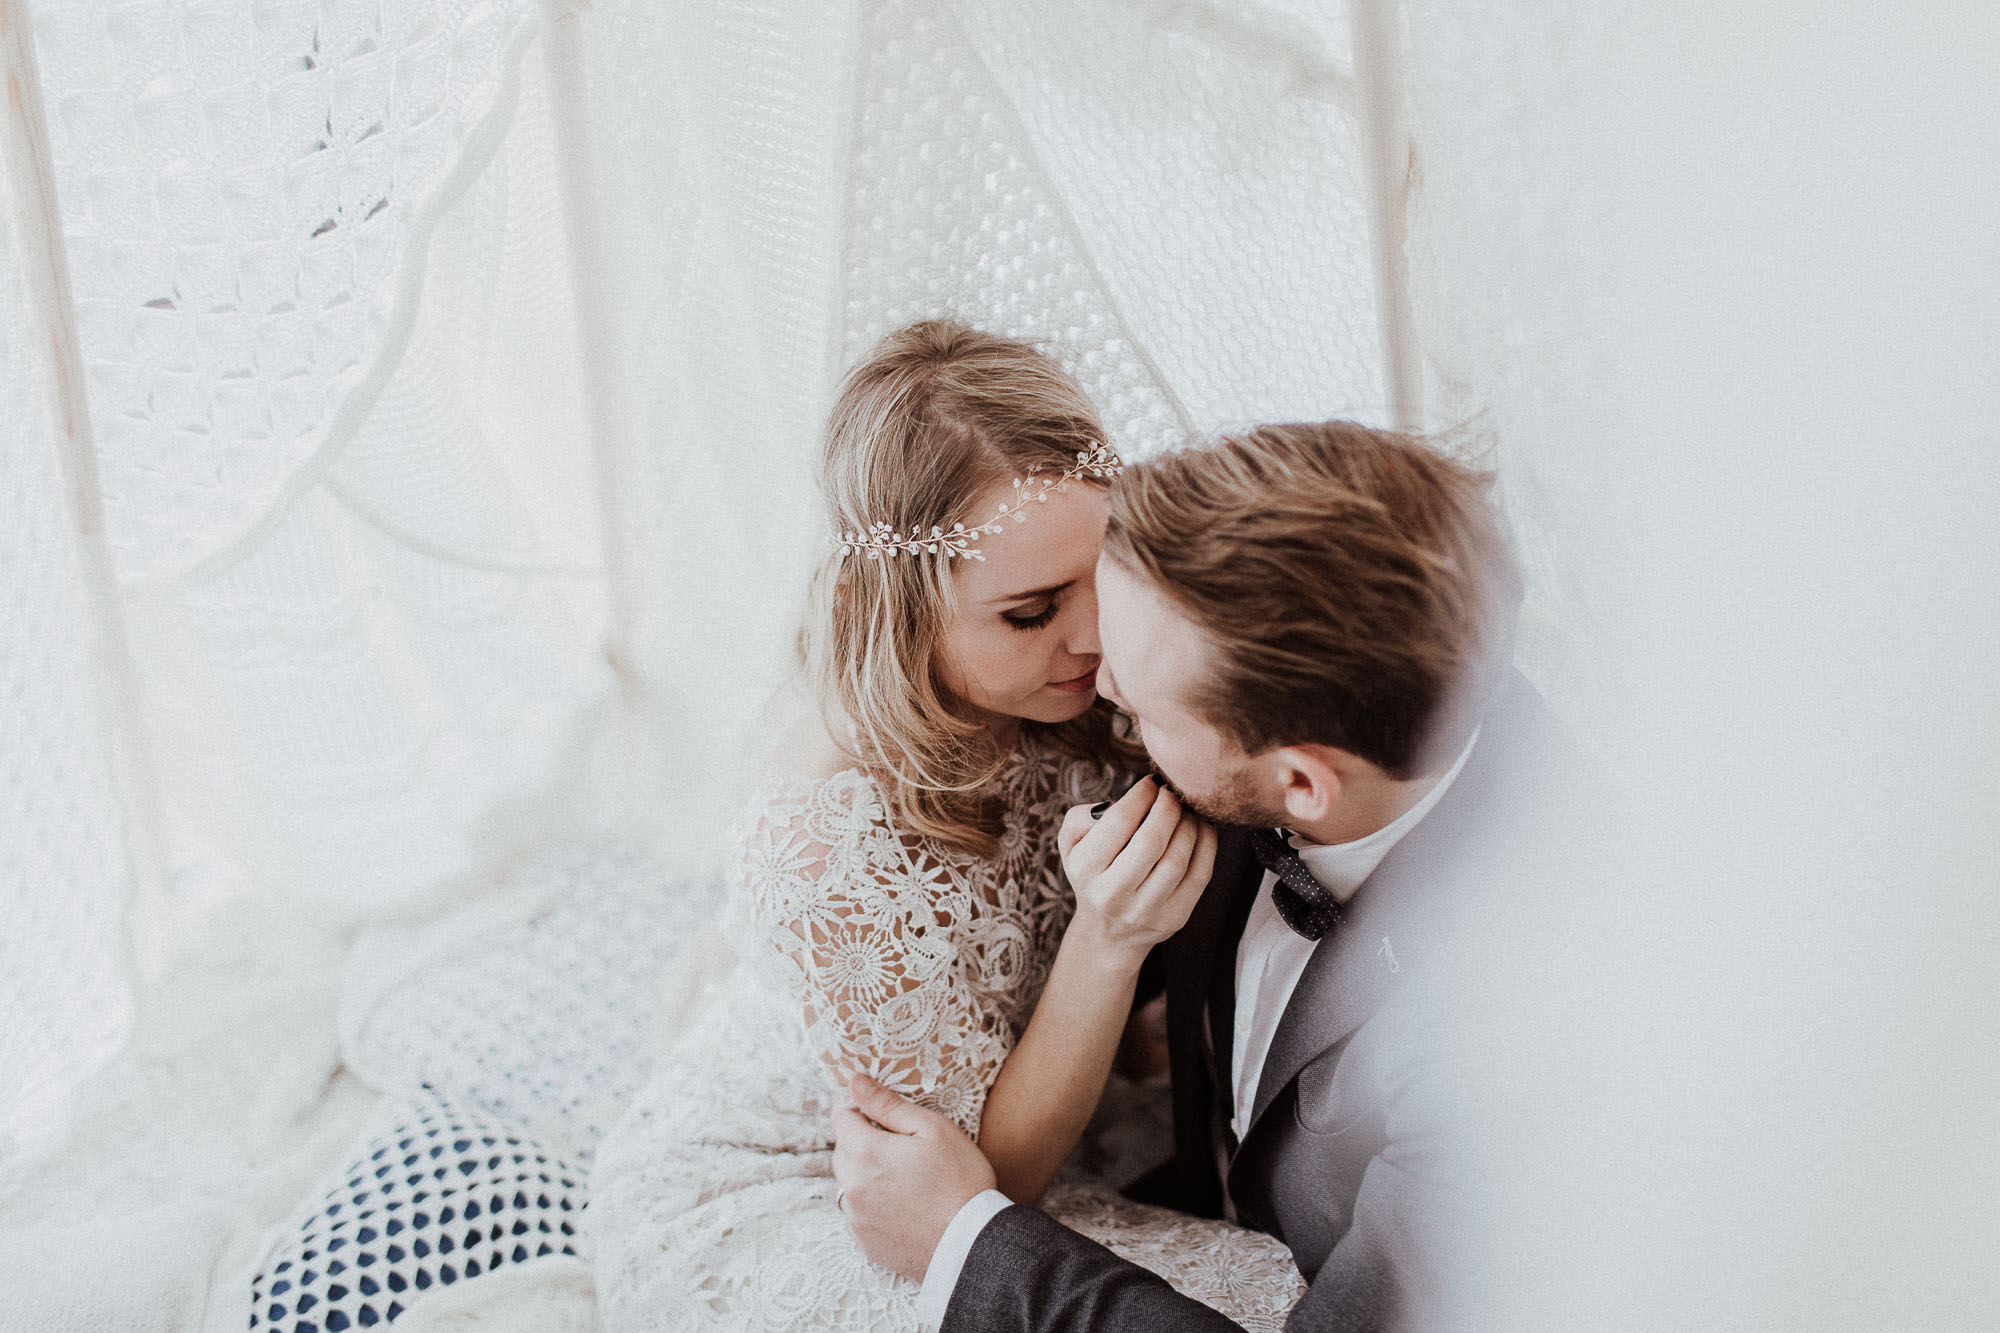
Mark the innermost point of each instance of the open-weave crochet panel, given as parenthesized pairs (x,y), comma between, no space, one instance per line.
(1169,199)
(329,365)
(239,195)
(320,280)
(549,1023)
(1165,197)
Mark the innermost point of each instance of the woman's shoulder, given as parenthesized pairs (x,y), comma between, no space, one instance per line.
(816,828)
(809,752)
(810,769)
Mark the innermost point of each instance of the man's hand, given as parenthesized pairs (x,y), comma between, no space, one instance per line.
(904,1173)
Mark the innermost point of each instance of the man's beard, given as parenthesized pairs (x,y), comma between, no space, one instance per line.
(1235,801)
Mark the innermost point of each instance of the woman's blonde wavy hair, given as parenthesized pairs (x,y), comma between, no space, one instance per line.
(924,428)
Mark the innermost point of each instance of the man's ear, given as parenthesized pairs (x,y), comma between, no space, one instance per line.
(1310,783)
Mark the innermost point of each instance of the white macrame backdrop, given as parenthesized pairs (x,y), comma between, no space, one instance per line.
(454,371)
(318,276)
(1153,193)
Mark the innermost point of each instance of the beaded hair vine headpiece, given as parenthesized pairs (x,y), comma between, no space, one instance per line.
(880,539)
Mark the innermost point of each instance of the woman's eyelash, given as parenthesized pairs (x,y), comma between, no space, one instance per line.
(1036,621)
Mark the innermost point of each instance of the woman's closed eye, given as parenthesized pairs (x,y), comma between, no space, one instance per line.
(1020,619)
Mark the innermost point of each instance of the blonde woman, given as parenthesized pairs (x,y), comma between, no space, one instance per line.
(898,894)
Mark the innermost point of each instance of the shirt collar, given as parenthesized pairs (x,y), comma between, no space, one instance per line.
(1342,866)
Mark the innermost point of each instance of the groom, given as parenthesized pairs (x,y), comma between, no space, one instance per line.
(1309,624)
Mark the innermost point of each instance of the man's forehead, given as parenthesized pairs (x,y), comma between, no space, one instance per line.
(1153,650)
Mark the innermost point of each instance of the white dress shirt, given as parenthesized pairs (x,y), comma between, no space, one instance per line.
(1270,958)
(949,1256)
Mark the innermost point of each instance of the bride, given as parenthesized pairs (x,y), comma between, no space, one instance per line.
(897,900)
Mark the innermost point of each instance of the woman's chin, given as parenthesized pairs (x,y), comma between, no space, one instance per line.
(1063,705)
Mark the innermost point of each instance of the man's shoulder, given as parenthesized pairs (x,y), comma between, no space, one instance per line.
(1517,786)
(1530,742)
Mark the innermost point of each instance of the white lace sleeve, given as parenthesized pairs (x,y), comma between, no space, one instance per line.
(878,931)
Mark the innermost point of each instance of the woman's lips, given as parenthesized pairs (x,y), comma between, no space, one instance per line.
(1081,685)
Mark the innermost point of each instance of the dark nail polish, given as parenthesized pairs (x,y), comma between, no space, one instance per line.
(1097,811)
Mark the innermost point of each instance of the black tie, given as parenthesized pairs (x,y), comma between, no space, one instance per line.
(1303,902)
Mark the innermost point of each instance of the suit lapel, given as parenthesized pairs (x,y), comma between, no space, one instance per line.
(1400,910)
(1341,985)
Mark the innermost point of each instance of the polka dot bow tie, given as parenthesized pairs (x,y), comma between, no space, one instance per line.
(1303,902)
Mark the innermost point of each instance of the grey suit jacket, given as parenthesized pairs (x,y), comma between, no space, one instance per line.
(1348,1154)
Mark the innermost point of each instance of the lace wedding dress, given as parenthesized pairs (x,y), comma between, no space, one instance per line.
(712,1201)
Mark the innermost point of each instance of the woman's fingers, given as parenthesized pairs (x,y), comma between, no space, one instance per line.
(1171,891)
(1142,864)
(1149,843)
(1105,838)
(1202,868)
(1075,825)
(1166,874)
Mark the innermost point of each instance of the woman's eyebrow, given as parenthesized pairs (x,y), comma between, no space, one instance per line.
(1030,594)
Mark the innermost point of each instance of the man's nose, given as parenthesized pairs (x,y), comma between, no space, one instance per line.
(1082,638)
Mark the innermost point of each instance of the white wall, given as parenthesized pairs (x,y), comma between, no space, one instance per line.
(1724,280)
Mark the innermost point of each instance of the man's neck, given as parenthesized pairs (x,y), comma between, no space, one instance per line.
(1368,804)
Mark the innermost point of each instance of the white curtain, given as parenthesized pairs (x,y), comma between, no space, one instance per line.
(1721,280)
(1167,198)
(318,276)
(452,374)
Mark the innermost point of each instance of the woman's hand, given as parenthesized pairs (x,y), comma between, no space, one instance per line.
(1137,870)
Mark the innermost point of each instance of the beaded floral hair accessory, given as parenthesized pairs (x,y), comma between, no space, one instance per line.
(880,539)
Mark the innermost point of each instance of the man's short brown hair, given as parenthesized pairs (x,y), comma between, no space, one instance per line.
(1354,585)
